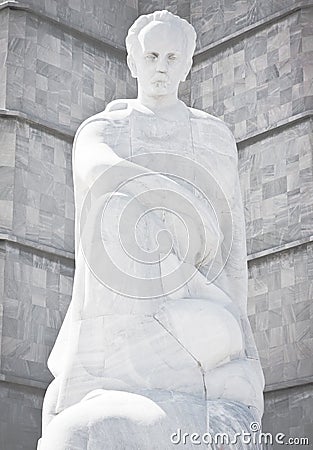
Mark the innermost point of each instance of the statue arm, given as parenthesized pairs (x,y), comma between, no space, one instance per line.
(93,156)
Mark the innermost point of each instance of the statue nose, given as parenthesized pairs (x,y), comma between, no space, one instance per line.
(162,66)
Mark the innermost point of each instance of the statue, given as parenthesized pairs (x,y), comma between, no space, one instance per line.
(156,347)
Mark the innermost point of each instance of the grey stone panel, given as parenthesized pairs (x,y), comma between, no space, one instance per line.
(4,32)
(20,416)
(58,78)
(289,411)
(179,7)
(109,19)
(260,80)
(37,292)
(43,209)
(2,265)
(215,20)
(36,187)
(281,314)
(277,185)
(7,162)
(184,91)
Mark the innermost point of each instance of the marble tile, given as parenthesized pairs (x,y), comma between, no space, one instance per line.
(69,88)
(260,86)
(35,299)
(277,186)
(20,416)
(223,18)
(286,327)
(107,20)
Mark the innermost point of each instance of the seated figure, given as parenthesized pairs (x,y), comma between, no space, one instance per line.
(156,342)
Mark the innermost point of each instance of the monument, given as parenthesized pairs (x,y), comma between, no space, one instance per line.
(156,350)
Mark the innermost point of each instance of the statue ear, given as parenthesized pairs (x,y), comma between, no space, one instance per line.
(132,66)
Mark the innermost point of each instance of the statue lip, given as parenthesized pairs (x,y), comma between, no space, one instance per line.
(160,83)
(160,80)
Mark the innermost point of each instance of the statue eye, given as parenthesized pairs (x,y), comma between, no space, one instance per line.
(172,57)
(151,57)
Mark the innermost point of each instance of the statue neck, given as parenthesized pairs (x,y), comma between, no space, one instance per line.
(168,107)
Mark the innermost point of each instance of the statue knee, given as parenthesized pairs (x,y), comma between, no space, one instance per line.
(103,416)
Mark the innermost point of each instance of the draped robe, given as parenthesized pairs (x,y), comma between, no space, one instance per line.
(168,340)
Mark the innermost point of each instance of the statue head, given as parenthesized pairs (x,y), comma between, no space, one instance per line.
(160,47)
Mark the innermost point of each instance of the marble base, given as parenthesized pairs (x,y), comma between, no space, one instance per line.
(158,420)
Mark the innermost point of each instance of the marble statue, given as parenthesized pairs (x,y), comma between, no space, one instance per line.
(156,342)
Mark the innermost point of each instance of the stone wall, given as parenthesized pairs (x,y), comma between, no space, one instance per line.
(63,61)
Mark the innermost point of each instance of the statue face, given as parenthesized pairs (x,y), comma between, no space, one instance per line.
(159,64)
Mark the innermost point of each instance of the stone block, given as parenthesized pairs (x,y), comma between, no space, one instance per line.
(41,185)
(283,332)
(57,77)
(20,416)
(277,186)
(255,85)
(107,20)
(35,299)
(289,411)
(215,20)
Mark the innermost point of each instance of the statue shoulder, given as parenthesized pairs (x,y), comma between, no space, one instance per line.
(217,131)
(210,121)
(120,107)
(115,115)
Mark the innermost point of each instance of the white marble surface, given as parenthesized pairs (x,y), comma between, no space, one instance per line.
(159,298)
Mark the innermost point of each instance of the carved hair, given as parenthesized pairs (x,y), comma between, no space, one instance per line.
(162,16)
